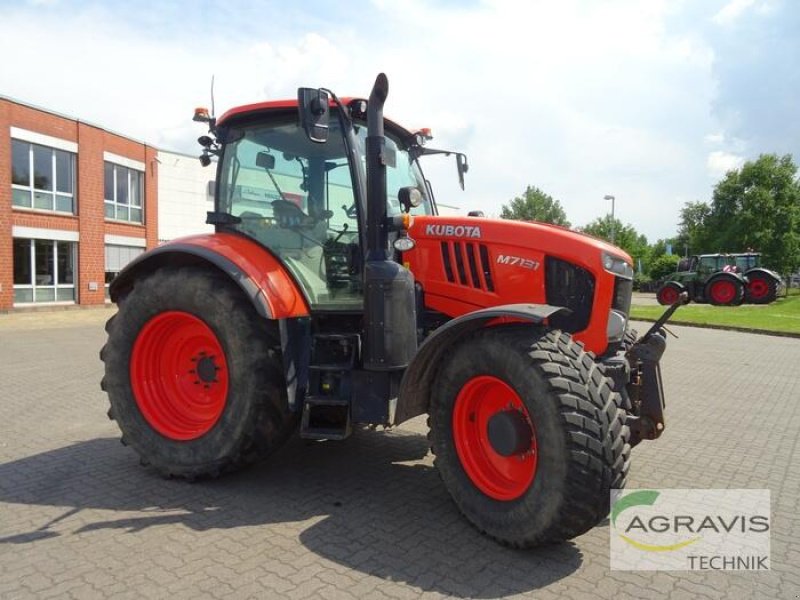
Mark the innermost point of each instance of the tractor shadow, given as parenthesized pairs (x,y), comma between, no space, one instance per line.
(385,513)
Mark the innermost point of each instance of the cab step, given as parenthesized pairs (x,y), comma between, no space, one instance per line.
(325,418)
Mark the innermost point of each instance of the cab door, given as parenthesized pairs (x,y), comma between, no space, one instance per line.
(297,198)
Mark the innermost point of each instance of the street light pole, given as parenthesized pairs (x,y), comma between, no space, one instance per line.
(610,197)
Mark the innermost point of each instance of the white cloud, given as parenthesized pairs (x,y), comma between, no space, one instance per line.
(731,12)
(720,162)
(578,98)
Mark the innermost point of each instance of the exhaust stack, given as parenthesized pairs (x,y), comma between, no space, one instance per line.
(377,236)
(390,316)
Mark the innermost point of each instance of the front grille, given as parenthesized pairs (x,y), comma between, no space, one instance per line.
(467,263)
(572,287)
(623,290)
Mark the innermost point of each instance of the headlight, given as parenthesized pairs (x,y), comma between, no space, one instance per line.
(616,265)
(617,322)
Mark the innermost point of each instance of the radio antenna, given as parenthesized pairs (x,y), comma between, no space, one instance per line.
(213,111)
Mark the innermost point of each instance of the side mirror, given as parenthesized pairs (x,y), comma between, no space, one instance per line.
(312,105)
(462,166)
(265,160)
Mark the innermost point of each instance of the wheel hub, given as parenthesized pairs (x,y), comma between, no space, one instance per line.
(207,369)
(179,375)
(723,292)
(509,433)
(758,288)
(495,438)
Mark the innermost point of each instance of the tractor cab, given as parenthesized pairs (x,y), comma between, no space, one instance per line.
(304,199)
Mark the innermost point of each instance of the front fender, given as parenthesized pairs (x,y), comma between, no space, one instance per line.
(259,274)
(415,387)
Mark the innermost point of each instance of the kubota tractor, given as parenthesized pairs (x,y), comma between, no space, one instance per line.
(332,295)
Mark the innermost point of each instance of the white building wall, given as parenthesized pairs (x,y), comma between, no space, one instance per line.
(183,195)
(448,210)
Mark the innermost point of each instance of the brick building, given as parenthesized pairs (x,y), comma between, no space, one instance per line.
(77,203)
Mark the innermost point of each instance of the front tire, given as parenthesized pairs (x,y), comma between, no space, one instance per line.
(194,376)
(551,478)
(669,293)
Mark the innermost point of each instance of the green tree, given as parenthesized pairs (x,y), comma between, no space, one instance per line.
(625,236)
(693,229)
(535,205)
(757,206)
(662,266)
(659,248)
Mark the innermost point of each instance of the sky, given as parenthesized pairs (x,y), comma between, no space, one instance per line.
(649,101)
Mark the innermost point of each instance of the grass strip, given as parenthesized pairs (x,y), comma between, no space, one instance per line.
(781,316)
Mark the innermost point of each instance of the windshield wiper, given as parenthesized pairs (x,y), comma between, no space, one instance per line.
(222,218)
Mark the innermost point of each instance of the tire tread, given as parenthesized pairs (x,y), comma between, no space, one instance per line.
(593,424)
(269,424)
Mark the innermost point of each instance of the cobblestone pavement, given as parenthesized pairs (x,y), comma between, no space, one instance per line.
(364,518)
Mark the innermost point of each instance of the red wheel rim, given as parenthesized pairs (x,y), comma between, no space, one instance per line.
(758,288)
(499,477)
(179,375)
(723,292)
(668,295)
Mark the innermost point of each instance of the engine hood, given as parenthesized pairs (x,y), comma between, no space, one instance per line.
(551,240)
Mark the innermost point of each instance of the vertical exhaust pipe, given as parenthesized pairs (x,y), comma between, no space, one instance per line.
(390,316)
(377,236)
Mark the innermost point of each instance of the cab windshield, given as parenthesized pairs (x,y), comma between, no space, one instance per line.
(401,171)
(298,199)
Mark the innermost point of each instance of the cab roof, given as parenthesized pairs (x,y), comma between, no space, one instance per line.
(260,107)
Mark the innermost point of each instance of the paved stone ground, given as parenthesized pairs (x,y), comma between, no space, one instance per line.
(364,518)
(644,299)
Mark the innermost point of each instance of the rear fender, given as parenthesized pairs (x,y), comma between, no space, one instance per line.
(419,378)
(766,273)
(722,275)
(259,274)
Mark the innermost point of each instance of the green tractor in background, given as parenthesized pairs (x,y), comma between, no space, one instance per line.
(721,280)
(762,283)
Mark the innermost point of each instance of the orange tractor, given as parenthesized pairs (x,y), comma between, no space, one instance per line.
(332,295)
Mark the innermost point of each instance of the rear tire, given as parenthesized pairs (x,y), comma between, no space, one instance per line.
(724,290)
(194,376)
(578,435)
(760,289)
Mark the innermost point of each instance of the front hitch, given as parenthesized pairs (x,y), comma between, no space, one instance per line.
(645,388)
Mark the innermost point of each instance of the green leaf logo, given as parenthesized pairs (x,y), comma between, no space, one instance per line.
(640,498)
(643,498)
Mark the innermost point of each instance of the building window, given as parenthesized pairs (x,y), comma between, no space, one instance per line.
(42,177)
(44,271)
(116,258)
(124,191)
